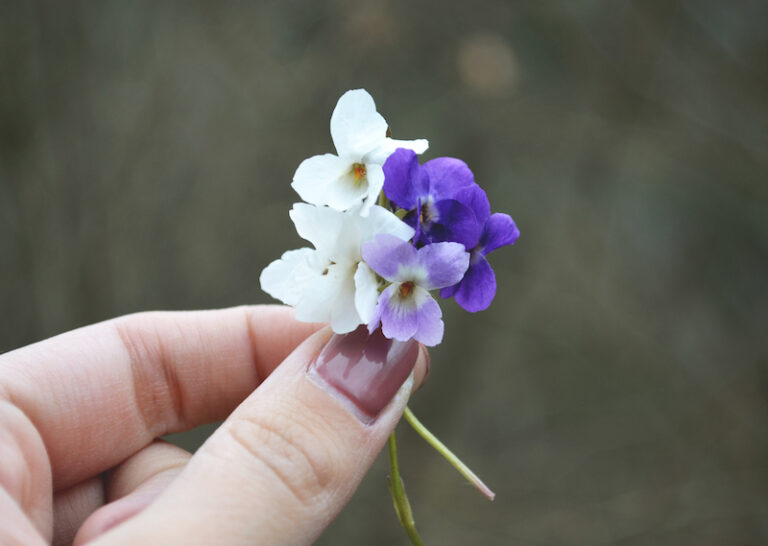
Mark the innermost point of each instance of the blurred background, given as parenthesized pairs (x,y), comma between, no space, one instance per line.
(617,390)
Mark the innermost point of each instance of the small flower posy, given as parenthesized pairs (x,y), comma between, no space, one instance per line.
(385,231)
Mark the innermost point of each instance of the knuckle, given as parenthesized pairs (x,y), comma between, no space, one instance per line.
(157,387)
(299,456)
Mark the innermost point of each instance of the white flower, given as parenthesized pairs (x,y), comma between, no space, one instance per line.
(331,283)
(355,175)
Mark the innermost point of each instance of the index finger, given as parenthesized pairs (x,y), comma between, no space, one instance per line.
(98,394)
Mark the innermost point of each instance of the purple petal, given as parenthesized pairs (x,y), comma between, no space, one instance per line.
(413,219)
(430,323)
(399,318)
(404,179)
(449,291)
(499,230)
(455,223)
(478,287)
(445,263)
(475,198)
(447,175)
(386,253)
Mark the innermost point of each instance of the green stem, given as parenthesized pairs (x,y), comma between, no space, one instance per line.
(445,452)
(396,487)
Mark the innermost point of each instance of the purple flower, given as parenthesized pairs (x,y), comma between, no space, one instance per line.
(405,308)
(477,289)
(441,198)
(445,204)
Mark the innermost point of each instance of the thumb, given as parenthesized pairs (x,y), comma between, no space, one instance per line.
(288,459)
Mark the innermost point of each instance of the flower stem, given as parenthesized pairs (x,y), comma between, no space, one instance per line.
(445,452)
(397,489)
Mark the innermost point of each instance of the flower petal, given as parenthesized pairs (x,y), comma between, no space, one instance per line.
(500,230)
(366,292)
(286,278)
(316,175)
(345,192)
(319,296)
(455,223)
(344,315)
(380,220)
(413,219)
(447,175)
(449,291)
(375,321)
(430,323)
(478,288)
(375,177)
(387,148)
(445,263)
(399,317)
(320,226)
(405,180)
(476,199)
(387,255)
(339,235)
(356,126)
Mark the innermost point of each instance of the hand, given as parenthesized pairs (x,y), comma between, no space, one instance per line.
(81,414)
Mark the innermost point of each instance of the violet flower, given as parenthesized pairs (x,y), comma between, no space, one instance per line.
(477,289)
(437,197)
(406,309)
(445,204)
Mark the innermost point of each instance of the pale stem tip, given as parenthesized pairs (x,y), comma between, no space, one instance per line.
(463,469)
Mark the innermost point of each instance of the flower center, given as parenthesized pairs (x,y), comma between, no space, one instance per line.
(427,215)
(406,288)
(359,172)
(476,254)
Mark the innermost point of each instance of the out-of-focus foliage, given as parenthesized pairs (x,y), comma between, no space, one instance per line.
(615,393)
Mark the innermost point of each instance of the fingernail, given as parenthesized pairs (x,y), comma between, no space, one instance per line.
(366,369)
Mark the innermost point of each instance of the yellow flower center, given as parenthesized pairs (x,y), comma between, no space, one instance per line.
(405,289)
(359,172)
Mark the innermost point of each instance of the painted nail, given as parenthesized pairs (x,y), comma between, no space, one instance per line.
(366,369)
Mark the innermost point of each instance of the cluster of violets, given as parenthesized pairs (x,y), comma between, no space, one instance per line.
(386,230)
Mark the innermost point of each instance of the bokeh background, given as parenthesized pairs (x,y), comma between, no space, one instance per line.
(617,390)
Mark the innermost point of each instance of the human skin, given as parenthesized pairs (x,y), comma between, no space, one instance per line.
(81,414)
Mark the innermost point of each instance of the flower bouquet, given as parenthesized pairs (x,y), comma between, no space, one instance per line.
(386,232)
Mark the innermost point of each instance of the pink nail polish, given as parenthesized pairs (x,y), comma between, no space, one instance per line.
(366,369)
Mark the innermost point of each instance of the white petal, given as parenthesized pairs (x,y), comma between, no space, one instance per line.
(380,220)
(357,229)
(320,226)
(319,297)
(345,317)
(375,176)
(366,292)
(285,279)
(356,126)
(346,193)
(338,236)
(316,175)
(380,154)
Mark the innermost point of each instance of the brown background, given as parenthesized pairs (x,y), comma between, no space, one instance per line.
(615,393)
